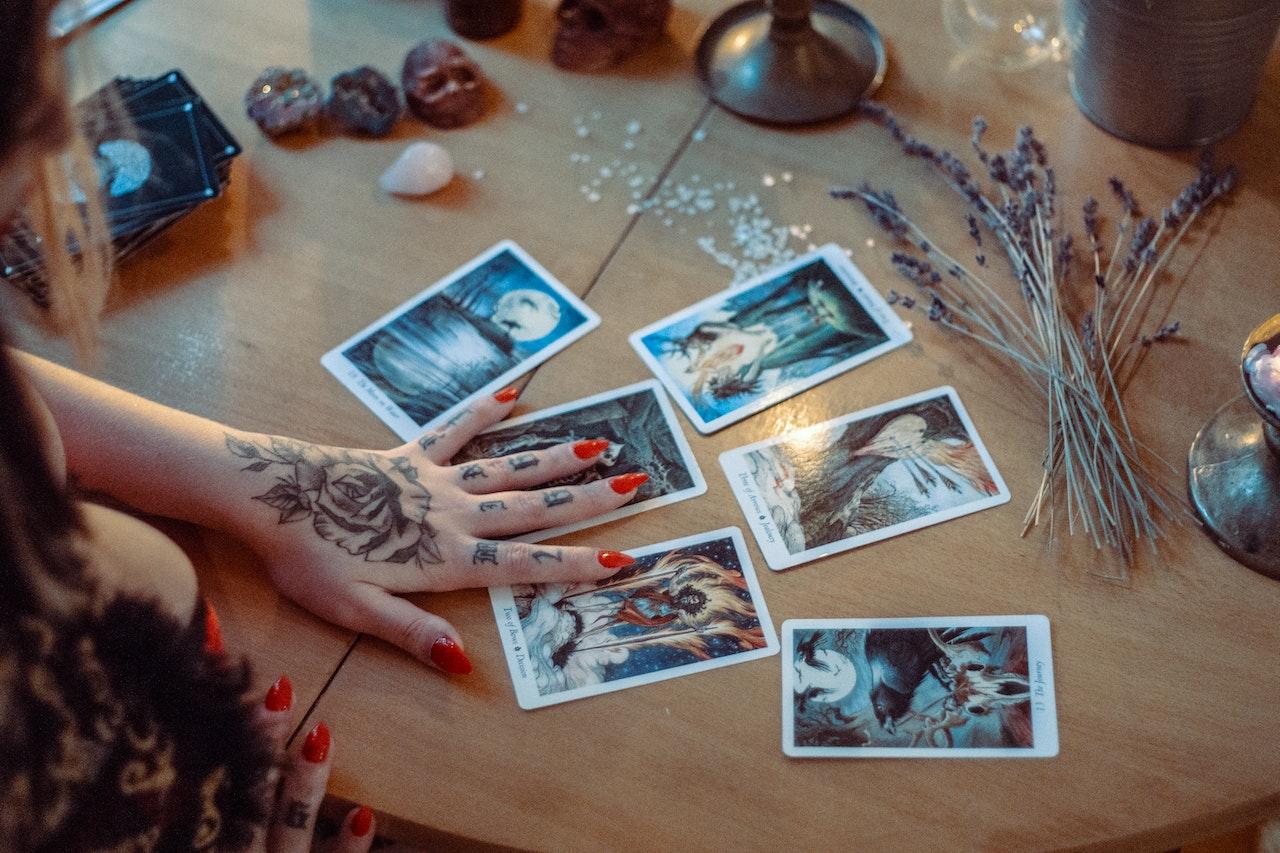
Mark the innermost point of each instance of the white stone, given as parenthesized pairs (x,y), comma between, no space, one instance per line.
(421,169)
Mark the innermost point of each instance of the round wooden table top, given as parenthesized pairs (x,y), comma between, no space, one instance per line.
(1167,682)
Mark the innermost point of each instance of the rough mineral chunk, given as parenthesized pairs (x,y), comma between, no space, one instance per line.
(442,85)
(363,101)
(282,99)
(423,168)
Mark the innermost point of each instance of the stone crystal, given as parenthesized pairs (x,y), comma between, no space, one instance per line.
(282,100)
(442,85)
(363,101)
(421,169)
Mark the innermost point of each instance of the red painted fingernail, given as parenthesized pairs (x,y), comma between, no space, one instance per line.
(362,822)
(316,747)
(280,695)
(212,630)
(615,559)
(590,447)
(506,395)
(450,657)
(624,483)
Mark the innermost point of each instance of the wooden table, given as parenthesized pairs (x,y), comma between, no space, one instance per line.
(1167,684)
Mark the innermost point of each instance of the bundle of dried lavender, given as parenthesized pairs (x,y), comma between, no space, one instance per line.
(1080,363)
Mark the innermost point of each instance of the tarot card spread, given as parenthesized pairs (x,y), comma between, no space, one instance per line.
(962,687)
(743,350)
(863,477)
(481,327)
(643,435)
(685,606)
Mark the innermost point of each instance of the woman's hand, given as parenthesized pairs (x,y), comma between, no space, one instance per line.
(345,531)
(296,784)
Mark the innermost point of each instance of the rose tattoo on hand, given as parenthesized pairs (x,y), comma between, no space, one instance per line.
(368,505)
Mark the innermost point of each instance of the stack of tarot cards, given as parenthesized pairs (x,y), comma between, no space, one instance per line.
(160,153)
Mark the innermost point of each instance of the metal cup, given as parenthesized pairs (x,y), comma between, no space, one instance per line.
(1168,73)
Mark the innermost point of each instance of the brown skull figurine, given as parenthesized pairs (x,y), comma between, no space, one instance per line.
(594,34)
(442,85)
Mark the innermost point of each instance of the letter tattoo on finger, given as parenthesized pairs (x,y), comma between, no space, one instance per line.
(541,557)
(473,471)
(492,506)
(428,440)
(556,497)
(296,815)
(524,460)
(486,552)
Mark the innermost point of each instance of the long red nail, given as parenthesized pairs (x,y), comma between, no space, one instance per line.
(362,822)
(280,695)
(450,657)
(316,747)
(590,447)
(506,395)
(212,630)
(615,559)
(624,483)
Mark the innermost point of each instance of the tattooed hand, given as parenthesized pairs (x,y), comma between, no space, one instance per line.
(352,528)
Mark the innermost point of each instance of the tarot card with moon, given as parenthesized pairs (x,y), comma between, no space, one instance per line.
(863,477)
(739,352)
(643,434)
(962,687)
(151,165)
(685,606)
(472,333)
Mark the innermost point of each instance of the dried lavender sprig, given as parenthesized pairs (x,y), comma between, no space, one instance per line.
(1024,225)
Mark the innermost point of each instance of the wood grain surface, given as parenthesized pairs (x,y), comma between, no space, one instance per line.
(1167,683)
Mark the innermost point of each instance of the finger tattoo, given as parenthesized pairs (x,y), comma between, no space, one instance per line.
(457,419)
(428,440)
(296,815)
(471,472)
(541,557)
(556,497)
(486,552)
(524,460)
(492,506)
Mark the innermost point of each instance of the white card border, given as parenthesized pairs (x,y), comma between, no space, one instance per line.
(698,488)
(355,381)
(850,275)
(732,462)
(1044,720)
(527,696)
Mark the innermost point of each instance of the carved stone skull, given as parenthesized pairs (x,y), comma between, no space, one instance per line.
(594,34)
(442,85)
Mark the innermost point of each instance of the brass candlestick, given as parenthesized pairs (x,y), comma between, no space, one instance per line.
(1233,469)
(790,61)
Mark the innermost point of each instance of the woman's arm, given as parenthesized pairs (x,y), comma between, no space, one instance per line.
(342,531)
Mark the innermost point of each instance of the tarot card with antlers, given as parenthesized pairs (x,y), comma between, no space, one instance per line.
(684,606)
(739,352)
(962,687)
(863,477)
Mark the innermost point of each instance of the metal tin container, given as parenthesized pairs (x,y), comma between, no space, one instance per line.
(1168,73)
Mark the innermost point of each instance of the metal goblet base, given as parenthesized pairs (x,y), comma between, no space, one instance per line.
(1233,478)
(808,74)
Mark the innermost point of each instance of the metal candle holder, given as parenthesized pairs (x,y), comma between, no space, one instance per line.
(790,61)
(1233,472)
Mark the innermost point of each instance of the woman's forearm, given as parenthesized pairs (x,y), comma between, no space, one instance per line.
(152,457)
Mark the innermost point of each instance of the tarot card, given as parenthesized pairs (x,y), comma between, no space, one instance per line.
(643,435)
(471,333)
(863,477)
(955,687)
(685,606)
(154,167)
(747,348)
